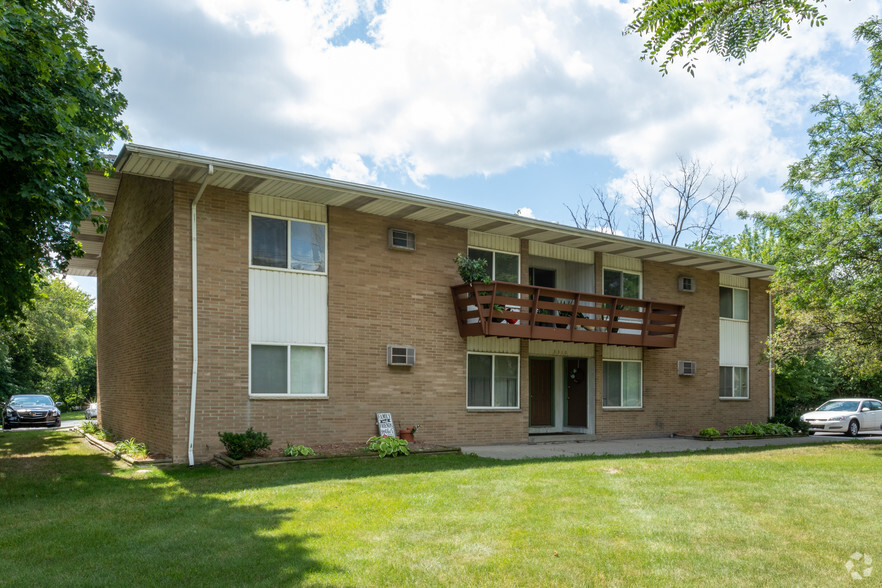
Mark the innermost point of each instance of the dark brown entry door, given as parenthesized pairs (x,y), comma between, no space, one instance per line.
(576,371)
(541,392)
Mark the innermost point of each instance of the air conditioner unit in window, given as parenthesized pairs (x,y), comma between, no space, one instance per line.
(686,368)
(400,355)
(399,239)
(685,284)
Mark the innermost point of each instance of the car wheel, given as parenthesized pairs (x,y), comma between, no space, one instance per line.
(853,429)
(811,432)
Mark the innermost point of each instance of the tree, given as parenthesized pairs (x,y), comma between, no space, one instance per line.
(60,107)
(731,28)
(830,233)
(51,349)
(697,210)
(753,243)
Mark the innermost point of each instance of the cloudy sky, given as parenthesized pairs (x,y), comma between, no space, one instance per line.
(504,104)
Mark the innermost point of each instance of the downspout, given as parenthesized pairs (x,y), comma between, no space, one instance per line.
(195,370)
(771,366)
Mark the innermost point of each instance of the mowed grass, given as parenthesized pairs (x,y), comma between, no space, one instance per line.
(775,517)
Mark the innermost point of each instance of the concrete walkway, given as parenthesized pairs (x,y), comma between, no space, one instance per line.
(637,446)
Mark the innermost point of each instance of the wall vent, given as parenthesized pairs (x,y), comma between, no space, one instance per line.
(686,368)
(399,239)
(400,355)
(685,284)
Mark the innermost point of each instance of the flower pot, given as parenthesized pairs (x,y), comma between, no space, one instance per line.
(406,434)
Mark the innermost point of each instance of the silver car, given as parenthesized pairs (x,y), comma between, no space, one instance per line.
(91,411)
(845,415)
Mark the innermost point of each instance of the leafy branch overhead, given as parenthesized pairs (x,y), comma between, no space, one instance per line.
(60,109)
(730,28)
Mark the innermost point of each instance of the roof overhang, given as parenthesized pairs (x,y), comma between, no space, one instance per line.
(182,167)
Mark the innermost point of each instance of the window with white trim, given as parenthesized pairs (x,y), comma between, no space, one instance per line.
(733,303)
(288,370)
(503,267)
(621,283)
(493,380)
(288,244)
(622,384)
(733,382)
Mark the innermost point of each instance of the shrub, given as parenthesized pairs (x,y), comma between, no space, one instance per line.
(388,446)
(132,447)
(760,429)
(239,445)
(296,450)
(709,432)
(90,427)
(103,434)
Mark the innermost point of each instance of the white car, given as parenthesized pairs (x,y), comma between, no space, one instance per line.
(91,411)
(845,415)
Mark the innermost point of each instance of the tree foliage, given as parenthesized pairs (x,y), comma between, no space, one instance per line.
(755,242)
(60,107)
(730,28)
(51,348)
(830,233)
(700,200)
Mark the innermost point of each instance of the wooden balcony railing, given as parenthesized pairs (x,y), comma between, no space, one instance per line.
(502,309)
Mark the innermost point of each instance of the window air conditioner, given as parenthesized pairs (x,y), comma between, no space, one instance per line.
(685,284)
(400,355)
(686,368)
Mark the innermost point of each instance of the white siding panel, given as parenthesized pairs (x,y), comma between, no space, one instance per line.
(620,262)
(619,352)
(734,342)
(734,281)
(561,252)
(561,349)
(495,242)
(287,208)
(493,345)
(287,307)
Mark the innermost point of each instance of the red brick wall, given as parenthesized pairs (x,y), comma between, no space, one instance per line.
(135,315)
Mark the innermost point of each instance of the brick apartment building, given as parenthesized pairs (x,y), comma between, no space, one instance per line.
(319,303)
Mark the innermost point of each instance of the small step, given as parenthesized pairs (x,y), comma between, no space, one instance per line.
(561,438)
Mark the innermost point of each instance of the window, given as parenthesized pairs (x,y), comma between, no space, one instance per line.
(493,381)
(619,283)
(503,267)
(290,244)
(622,384)
(733,303)
(293,370)
(733,382)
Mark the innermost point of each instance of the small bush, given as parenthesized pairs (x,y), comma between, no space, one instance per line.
(760,429)
(239,445)
(388,446)
(103,434)
(297,450)
(90,427)
(132,448)
(709,432)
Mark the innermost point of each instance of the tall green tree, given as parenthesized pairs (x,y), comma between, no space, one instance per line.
(731,28)
(60,108)
(50,349)
(829,235)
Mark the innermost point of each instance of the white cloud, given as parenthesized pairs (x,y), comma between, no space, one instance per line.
(525,212)
(457,87)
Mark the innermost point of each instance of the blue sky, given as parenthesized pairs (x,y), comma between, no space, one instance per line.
(503,104)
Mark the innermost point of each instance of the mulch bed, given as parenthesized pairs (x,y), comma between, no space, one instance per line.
(325,451)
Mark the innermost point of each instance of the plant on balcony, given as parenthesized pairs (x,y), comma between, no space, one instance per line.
(472,270)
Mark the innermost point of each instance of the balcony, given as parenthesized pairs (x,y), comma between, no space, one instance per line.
(502,309)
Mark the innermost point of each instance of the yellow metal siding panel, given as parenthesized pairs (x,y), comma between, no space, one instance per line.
(263,204)
(493,345)
(619,352)
(561,349)
(620,262)
(560,252)
(734,281)
(495,242)
(273,316)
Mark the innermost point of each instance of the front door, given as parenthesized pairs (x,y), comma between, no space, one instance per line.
(576,372)
(541,392)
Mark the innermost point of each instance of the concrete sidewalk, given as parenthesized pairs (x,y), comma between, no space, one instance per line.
(637,446)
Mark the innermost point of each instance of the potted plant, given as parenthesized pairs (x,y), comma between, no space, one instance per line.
(472,270)
(408,433)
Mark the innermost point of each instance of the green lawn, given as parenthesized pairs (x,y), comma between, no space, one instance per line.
(778,517)
(73,415)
